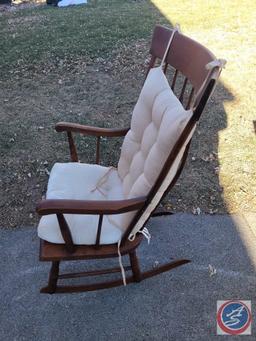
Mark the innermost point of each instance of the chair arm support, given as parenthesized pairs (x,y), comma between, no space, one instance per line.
(52,206)
(88,130)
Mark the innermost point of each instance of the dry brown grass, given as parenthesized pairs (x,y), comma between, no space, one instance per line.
(96,78)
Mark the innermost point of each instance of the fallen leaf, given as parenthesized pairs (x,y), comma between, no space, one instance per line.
(212,270)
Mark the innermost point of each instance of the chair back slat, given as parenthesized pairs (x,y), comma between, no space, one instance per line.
(190,58)
(151,64)
(165,67)
(186,55)
(190,98)
(174,79)
(97,160)
(183,90)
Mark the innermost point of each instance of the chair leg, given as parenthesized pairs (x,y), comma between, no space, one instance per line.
(53,278)
(135,266)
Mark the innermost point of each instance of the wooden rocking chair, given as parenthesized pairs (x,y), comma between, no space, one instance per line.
(94,212)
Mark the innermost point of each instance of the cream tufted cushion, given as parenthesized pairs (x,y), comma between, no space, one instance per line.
(157,122)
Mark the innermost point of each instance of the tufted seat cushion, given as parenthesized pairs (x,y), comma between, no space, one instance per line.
(157,122)
(82,182)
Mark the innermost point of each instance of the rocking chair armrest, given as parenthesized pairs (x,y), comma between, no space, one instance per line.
(101,207)
(89,130)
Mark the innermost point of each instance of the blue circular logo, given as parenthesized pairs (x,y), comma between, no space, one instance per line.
(234,317)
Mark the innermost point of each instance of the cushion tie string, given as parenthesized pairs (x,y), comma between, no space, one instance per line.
(216,63)
(213,73)
(220,63)
(120,262)
(146,234)
(175,29)
(102,180)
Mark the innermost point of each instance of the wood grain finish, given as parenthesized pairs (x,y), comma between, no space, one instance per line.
(54,206)
(60,289)
(55,252)
(93,272)
(88,130)
(185,54)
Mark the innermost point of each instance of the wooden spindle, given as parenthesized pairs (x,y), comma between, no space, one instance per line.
(66,233)
(183,90)
(72,147)
(135,266)
(97,244)
(190,98)
(165,67)
(53,278)
(150,65)
(98,150)
(174,79)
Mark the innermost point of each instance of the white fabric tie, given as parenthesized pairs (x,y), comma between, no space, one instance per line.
(220,63)
(175,29)
(216,63)
(146,234)
(102,180)
(120,262)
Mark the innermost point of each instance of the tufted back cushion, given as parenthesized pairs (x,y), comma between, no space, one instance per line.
(157,121)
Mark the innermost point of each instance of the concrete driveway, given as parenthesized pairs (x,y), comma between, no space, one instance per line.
(178,305)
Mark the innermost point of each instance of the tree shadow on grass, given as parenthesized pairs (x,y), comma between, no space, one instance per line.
(199,185)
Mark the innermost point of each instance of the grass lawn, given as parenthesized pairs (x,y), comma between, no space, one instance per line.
(87,64)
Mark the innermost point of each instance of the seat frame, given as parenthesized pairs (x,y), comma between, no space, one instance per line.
(203,82)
